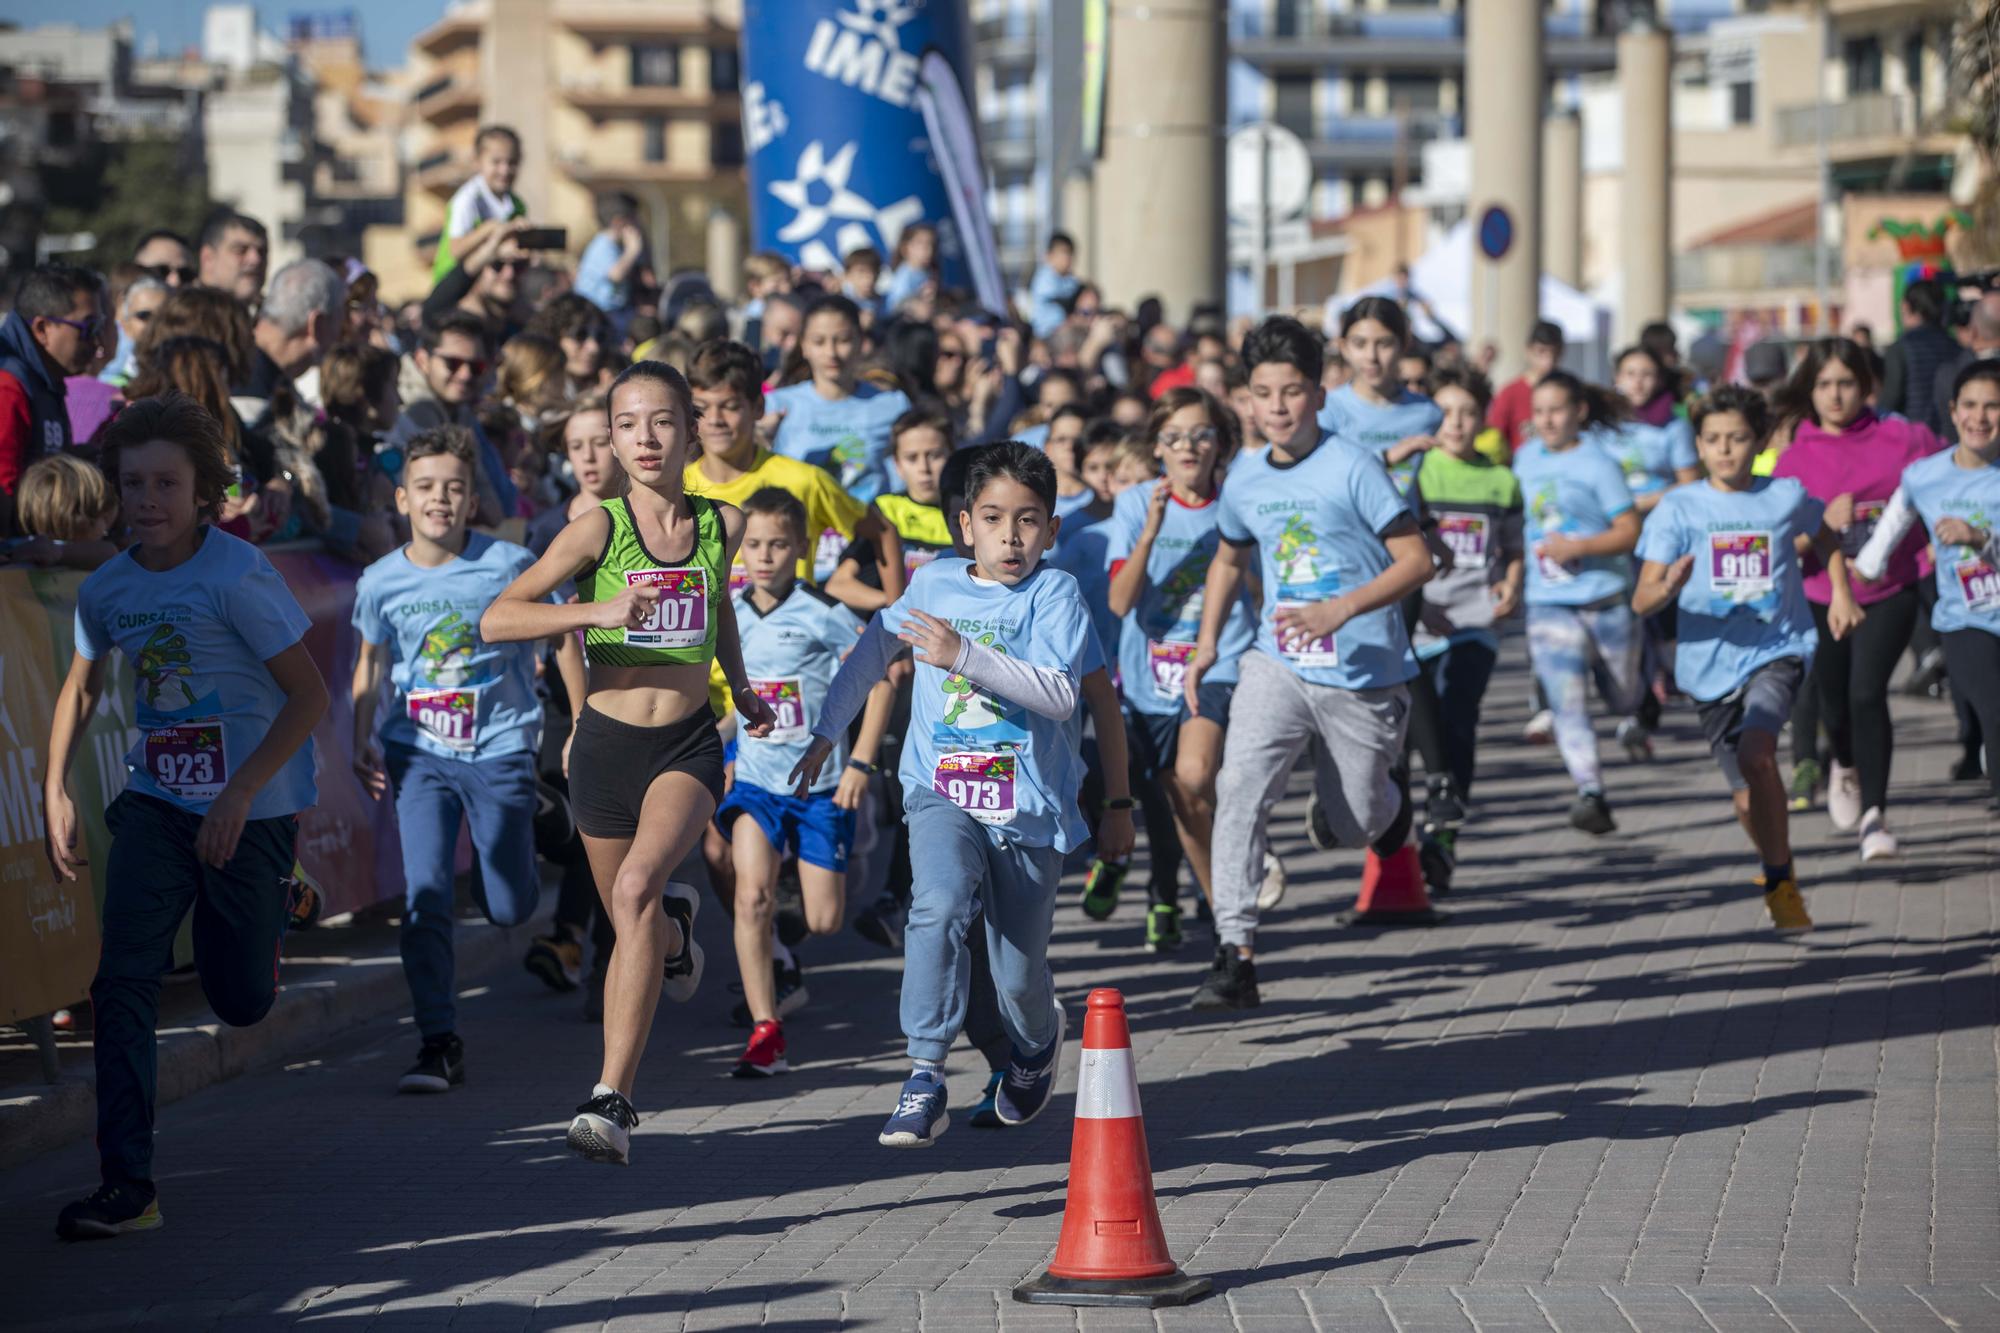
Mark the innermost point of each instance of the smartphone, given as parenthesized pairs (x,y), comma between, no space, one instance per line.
(544,238)
(988,348)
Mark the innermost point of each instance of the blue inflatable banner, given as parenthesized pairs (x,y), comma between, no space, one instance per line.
(859,120)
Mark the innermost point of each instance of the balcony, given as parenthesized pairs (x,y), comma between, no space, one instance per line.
(1862,127)
(459,28)
(443,171)
(621,175)
(632,99)
(1427,42)
(617,22)
(1717,269)
(445,99)
(1344,144)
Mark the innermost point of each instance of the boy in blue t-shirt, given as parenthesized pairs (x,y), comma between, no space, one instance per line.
(990,773)
(794,637)
(227,698)
(1727,552)
(460,724)
(1339,551)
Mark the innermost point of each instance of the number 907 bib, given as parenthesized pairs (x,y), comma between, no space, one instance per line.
(680,618)
(979,782)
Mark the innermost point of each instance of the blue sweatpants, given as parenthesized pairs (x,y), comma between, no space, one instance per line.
(497,797)
(959,867)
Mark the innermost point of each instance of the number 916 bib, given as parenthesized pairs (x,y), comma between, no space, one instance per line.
(979,782)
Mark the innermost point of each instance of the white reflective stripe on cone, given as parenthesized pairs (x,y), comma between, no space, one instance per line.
(1107,1088)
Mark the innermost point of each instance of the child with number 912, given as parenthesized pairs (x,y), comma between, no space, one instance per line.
(794,637)
(990,774)
(226,702)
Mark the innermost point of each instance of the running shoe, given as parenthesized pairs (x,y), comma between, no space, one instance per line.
(1442,807)
(683,970)
(1638,745)
(1877,843)
(765,1055)
(790,984)
(1231,982)
(556,959)
(882,921)
(1927,681)
(983,1115)
(1318,831)
(602,1130)
(1541,728)
(1786,905)
(1270,891)
(1438,855)
(1101,886)
(1031,1079)
(1969,767)
(440,1066)
(1843,798)
(1805,786)
(304,899)
(110,1210)
(1592,814)
(920,1118)
(1163,928)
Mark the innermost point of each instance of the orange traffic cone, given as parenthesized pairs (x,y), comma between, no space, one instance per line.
(1113,1250)
(1393,893)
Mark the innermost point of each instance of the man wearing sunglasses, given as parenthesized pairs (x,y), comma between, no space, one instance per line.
(167,256)
(58,329)
(454,358)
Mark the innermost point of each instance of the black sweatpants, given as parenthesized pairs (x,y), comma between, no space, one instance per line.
(1854,689)
(1973,658)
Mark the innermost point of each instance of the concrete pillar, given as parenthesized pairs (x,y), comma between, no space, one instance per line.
(1504,96)
(1645,190)
(725,252)
(1159,186)
(1078,194)
(518,86)
(1562,198)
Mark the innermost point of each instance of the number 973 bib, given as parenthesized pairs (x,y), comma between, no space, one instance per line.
(979,782)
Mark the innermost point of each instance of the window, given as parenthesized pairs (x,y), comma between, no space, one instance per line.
(656,66)
(1863,58)
(1293,94)
(1742,103)
(1913,64)
(1418,92)
(725,144)
(656,140)
(722,73)
(1290,18)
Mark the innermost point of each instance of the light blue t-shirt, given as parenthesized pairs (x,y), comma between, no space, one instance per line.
(593,274)
(1067,505)
(1037,437)
(1576,492)
(1968,581)
(1047,291)
(1156,639)
(1649,456)
(1377,426)
(197,636)
(1745,604)
(1013,770)
(451,693)
(1318,525)
(905,281)
(1080,554)
(790,655)
(849,437)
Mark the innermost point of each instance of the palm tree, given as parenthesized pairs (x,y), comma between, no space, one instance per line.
(1976,80)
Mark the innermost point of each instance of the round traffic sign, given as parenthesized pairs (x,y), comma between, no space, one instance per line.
(1265,153)
(1496,232)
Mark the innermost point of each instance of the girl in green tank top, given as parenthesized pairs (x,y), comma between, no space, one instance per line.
(682,626)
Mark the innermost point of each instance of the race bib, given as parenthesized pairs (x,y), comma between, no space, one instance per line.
(188,759)
(978,782)
(680,618)
(1465,536)
(1739,564)
(739,577)
(1979,582)
(1168,659)
(826,554)
(1867,513)
(788,703)
(450,717)
(1318,652)
(915,558)
(1552,571)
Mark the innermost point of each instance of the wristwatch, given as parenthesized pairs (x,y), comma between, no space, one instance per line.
(858,766)
(1122,803)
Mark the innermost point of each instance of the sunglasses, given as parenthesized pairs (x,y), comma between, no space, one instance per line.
(1198,438)
(950,354)
(456,365)
(510,265)
(89,327)
(171,273)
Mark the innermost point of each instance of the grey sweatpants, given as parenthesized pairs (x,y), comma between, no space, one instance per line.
(1274,714)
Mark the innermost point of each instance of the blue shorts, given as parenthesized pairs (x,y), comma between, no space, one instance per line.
(1153,739)
(821,832)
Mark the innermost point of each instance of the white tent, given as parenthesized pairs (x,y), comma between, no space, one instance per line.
(1443,277)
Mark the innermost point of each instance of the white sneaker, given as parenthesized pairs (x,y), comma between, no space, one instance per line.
(602,1129)
(1877,843)
(1541,728)
(1272,891)
(1843,797)
(683,970)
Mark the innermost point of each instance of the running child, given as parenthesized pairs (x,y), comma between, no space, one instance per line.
(1062,439)
(1580,528)
(794,637)
(1654,458)
(833,419)
(1338,551)
(1476,506)
(990,774)
(459,728)
(227,700)
(1728,551)
(646,765)
(1374,409)
(1956,496)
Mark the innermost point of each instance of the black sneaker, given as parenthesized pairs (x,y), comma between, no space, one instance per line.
(1442,807)
(602,1130)
(881,922)
(1969,767)
(683,970)
(111,1211)
(791,987)
(440,1066)
(1231,982)
(1592,814)
(1317,829)
(1438,855)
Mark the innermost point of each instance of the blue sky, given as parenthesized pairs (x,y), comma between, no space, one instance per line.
(386,25)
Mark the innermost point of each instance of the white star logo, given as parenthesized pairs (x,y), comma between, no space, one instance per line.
(879,19)
(814,168)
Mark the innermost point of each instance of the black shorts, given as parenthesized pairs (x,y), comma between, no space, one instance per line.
(613,764)
(1761,703)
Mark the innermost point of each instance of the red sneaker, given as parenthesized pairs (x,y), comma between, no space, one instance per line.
(765,1055)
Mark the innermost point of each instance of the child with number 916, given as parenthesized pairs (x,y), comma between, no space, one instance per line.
(990,774)
(794,637)
(226,702)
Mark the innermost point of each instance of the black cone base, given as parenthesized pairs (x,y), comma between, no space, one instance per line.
(1412,916)
(1139,1293)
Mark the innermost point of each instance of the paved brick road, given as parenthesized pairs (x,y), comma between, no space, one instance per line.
(1602,1097)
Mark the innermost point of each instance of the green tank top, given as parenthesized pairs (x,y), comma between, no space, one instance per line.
(682,630)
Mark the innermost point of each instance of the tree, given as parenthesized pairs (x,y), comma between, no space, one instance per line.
(1976,74)
(123,191)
